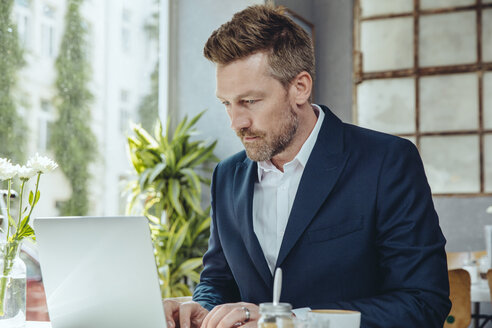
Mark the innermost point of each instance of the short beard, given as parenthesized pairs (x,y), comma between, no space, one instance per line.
(265,148)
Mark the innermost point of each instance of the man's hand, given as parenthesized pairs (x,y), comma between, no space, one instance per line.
(232,315)
(183,315)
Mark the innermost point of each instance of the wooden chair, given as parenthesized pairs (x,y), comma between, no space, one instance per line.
(485,317)
(489,279)
(459,286)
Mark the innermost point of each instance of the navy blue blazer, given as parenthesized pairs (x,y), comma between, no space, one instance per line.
(362,234)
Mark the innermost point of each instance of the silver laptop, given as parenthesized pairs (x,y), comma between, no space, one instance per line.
(99,272)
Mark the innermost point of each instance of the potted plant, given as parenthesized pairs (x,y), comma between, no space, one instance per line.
(168,190)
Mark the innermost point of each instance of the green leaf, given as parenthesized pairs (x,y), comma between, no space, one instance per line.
(177,131)
(193,179)
(31,197)
(158,130)
(171,159)
(204,225)
(156,171)
(174,192)
(144,136)
(195,119)
(38,195)
(189,265)
(194,276)
(178,239)
(24,222)
(143,180)
(192,201)
(25,231)
(186,160)
(205,154)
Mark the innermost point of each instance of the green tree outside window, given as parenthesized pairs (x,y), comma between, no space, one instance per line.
(13,129)
(72,139)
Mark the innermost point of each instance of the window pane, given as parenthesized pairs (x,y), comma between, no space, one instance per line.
(387,44)
(449,102)
(487,35)
(488,162)
(451,163)
(432,4)
(382,7)
(387,105)
(107,72)
(487,100)
(448,39)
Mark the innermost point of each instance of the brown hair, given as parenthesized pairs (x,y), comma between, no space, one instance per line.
(264,28)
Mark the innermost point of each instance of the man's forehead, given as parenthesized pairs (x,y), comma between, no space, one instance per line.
(243,94)
(240,80)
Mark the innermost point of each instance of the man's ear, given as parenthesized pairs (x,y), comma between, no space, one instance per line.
(301,88)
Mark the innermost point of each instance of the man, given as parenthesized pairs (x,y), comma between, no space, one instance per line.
(345,212)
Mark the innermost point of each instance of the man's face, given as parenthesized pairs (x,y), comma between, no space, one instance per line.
(258,106)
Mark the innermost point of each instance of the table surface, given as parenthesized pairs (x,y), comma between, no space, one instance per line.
(479,293)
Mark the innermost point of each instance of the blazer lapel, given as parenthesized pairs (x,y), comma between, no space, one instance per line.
(245,177)
(322,170)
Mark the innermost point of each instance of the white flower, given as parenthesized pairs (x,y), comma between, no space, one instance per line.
(25,172)
(489,209)
(41,164)
(7,169)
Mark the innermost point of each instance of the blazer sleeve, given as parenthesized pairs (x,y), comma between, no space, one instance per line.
(412,259)
(217,284)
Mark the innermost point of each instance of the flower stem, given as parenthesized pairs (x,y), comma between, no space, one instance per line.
(20,203)
(9,254)
(35,195)
(3,288)
(8,209)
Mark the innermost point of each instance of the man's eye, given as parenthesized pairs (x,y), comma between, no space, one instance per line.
(250,101)
(226,103)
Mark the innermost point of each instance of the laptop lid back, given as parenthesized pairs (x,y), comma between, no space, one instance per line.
(99,272)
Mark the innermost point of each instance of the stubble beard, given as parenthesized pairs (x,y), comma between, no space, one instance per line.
(267,145)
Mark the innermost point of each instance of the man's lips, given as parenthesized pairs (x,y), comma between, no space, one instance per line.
(249,138)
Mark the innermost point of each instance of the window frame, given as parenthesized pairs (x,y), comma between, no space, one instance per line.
(416,72)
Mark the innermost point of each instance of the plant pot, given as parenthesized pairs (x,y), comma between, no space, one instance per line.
(12,286)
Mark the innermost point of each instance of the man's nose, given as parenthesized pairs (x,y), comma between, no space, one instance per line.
(239,118)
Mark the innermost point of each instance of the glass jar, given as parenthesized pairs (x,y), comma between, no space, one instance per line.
(12,286)
(276,316)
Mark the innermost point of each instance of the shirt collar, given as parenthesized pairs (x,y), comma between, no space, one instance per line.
(305,151)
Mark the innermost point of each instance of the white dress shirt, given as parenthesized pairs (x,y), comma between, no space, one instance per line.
(274,195)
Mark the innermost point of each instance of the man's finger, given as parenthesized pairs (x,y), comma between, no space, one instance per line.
(209,315)
(170,309)
(186,310)
(214,317)
(235,316)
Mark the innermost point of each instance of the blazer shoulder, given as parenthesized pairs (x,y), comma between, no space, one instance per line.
(371,139)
